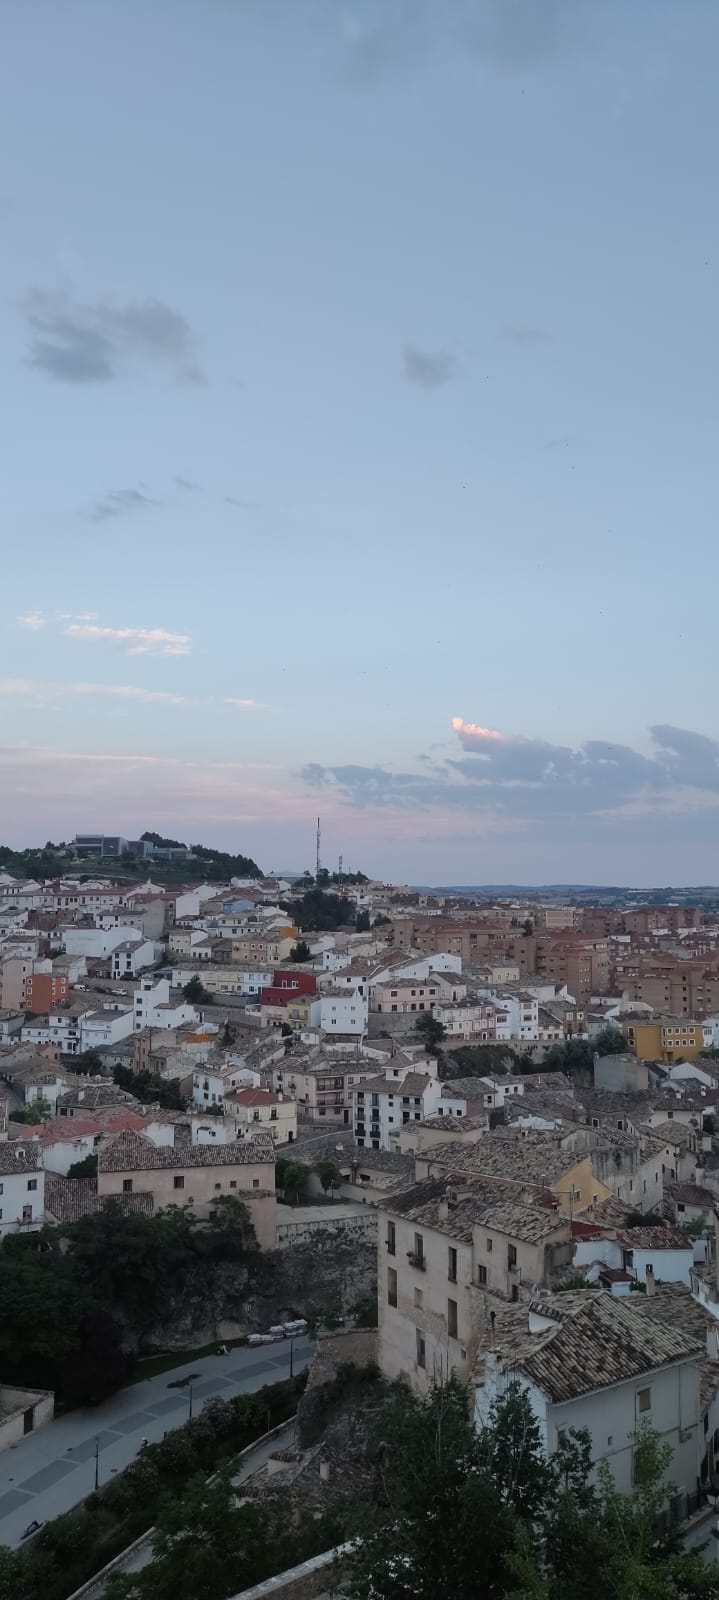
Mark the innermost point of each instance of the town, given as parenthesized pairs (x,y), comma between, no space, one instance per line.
(473,1140)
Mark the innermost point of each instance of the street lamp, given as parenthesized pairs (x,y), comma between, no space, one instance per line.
(189,1416)
(292,1356)
(97,1463)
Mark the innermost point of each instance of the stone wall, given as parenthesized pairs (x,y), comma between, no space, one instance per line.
(334,1267)
(313,1580)
(348,1229)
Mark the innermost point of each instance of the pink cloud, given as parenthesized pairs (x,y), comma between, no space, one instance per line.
(139,641)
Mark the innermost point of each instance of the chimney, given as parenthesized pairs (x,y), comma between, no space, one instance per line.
(443,1209)
(650,1280)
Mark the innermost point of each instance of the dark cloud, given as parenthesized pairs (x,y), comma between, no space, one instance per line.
(240,505)
(525,338)
(519,33)
(534,781)
(95,342)
(426,370)
(119,501)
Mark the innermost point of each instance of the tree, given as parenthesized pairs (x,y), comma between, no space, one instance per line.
(292,1176)
(301,951)
(363,922)
(37,1111)
(318,911)
(87,1168)
(150,1088)
(329,1174)
(528,928)
(89,1062)
(431,1031)
(196,993)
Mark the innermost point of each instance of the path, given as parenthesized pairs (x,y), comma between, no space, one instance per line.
(52,1470)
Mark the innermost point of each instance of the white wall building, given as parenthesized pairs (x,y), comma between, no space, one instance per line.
(381,1107)
(153,1009)
(98,943)
(342,1011)
(22,1187)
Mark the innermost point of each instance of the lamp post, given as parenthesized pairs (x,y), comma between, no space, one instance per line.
(189,1414)
(97,1463)
(292,1356)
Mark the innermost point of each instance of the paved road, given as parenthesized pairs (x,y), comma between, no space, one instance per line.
(51,1470)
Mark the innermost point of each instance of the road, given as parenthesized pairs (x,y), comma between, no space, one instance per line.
(52,1470)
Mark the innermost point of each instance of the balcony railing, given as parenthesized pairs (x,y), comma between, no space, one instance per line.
(416,1260)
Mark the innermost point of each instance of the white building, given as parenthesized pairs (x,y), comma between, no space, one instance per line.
(98,943)
(132,957)
(381,1107)
(343,1011)
(80,1029)
(22,1187)
(153,1009)
(667,1254)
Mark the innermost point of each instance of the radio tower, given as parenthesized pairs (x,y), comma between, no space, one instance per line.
(319,836)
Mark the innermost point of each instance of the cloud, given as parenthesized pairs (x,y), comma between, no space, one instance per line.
(34,620)
(139,641)
(520,33)
(526,338)
(96,342)
(244,705)
(511,779)
(241,505)
(187,484)
(24,687)
(118,501)
(426,370)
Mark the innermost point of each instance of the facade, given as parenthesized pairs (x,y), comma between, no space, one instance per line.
(22,1187)
(153,1008)
(343,1012)
(665,1038)
(381,1107)
(195,1175)
(256,1109)
(45,991)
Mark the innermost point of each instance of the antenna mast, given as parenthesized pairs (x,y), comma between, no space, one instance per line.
(339,872)
(317,868)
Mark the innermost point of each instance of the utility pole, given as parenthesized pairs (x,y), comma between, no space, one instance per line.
(97,1463)
(189,1414)
(319,836)
(292,1357)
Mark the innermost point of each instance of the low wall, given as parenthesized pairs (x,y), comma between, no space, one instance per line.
(306,1582)
(348,1229)
(14,1403)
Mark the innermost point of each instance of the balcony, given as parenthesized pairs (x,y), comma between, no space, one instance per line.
(417,1261)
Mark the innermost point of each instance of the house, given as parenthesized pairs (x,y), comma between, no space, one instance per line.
(443,1128)
(664,1254)
(22,1187)
(542,1164)
(152,1007)
(592,1361)
(441,1246)
(131,957)
(382,1106)
(254,1109)
(343,1012)
(196,1175)
(664,1038)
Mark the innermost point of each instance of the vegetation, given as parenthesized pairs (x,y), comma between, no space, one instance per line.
(86,1168)
(69,1550)
(37,1111)
(204,865)
(463,1514)
(329,1174)
(301,951)
(320,912)
(576,1053)
(150,1088)
(90,1062)
(72,1298)
(292,1176)
(196,993)
(431,1031)
(363,922)
(476,1060)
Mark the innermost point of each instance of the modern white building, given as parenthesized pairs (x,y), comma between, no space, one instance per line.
(153,1009)
(343,1011)
(382,1106)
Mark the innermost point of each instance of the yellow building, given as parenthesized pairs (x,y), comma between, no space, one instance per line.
(665,1039)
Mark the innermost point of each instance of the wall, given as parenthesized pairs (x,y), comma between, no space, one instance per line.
(613,1414)
(201,1188)
(398,1326)
(13,1405)
(620,1074)
(348,1229)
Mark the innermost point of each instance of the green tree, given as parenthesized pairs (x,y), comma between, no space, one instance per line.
(89,1062)
(319,911)
(36,1111)
(292,1176)
(301,951)
(150,1088)
(329,1174)
(363,922)
(196,993)
(87,1168)
(431,1031)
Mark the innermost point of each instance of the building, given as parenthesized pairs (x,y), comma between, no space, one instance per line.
(253,1109)
(664,1038)
(22,1187)
(664,1254)
(22,1411)
(342,1012)
(196,1175)
(45,990)
(152,1007)
(100,844)
(382,1106)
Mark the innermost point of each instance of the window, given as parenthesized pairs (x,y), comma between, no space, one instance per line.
(255,1183)
(452,1318)
(489,1247)
(178,1182)
(391,1286)
(418,1299)
(233,1183)
(419,1246)
(27,1213)
(391,1238)
(421,1350)
(481,1274)
(452,1264)
(644,1399)
(127,1185)
(32,1183)
(511,1255)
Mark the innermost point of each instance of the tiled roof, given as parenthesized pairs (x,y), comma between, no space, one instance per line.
(130,1152)
(654,1239)
(607,1342)
(674,1306)
(536,1158)
(19,1155)
(69,1199)
(691,1194)
(493,1206)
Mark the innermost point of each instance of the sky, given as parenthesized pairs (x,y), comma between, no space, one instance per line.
(360,432)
